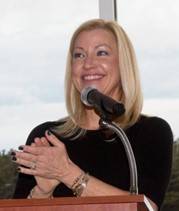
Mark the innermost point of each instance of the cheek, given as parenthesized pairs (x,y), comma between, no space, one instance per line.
(115,67)
(112,69)
(74,71)
(110,64)
(75,78)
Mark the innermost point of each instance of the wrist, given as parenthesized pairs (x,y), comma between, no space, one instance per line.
(73,172)
(79,184)
(37,192)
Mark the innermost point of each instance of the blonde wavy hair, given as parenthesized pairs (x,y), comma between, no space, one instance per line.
(130,82)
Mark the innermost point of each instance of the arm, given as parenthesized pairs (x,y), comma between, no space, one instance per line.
(154,158)
(53,162)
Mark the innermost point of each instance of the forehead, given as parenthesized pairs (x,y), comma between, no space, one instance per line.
(95,36)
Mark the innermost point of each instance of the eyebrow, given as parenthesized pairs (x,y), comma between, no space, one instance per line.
(103,44)
(78,48)
(100,45)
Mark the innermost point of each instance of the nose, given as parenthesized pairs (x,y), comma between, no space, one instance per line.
(89,62)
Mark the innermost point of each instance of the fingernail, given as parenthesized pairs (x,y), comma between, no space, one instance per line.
(48,132)
(18,169)
(20,147)
(14,158)
(13,153)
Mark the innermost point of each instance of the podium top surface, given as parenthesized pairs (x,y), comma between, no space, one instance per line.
(76,201)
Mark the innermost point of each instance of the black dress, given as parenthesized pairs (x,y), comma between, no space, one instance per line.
(151,140)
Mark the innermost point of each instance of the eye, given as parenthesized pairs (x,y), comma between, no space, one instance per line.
(102,53)
(78,55)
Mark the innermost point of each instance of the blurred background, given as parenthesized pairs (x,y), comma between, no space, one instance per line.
(34,38)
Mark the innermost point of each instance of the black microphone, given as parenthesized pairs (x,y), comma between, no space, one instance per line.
(103,103)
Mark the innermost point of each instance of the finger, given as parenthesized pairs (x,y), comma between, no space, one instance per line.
(25,156)
(25,163)
(33,144)
(31,149)
(41,142)
(45,142)
(28,171)
(37,141)
(33,171)
(53,139)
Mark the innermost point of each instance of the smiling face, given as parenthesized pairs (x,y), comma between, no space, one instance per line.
(95,62)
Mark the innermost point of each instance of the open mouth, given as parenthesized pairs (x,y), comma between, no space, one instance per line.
(92,77)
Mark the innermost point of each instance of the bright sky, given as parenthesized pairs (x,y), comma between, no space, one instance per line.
(34,37)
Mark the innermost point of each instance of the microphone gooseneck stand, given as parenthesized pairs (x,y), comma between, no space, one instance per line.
(107,108)
(129,152)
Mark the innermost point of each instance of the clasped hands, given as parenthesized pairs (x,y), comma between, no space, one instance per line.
(50,165)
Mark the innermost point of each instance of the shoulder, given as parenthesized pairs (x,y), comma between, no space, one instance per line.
(155,125)
(39,130)
(153,133)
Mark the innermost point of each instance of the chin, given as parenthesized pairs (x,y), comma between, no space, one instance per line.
(94,84)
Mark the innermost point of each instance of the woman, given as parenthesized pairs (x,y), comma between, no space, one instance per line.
(58,155)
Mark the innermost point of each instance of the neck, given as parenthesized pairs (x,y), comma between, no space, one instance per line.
(91,120)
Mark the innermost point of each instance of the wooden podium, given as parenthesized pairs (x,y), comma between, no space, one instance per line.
(107,203)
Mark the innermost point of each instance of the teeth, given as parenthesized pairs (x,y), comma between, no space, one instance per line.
(92,77)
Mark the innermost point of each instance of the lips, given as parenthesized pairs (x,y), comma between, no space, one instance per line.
(92,77)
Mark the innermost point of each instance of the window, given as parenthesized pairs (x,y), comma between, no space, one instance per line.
(34,37)
(153,29)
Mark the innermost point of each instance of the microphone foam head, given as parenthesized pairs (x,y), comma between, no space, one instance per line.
(84,95)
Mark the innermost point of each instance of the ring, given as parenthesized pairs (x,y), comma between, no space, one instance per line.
(33,166)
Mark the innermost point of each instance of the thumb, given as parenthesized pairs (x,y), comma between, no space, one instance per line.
(53,139)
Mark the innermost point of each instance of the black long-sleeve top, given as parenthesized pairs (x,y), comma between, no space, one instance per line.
(151,140)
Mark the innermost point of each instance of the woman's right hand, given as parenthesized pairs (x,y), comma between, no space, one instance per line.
(44,187)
